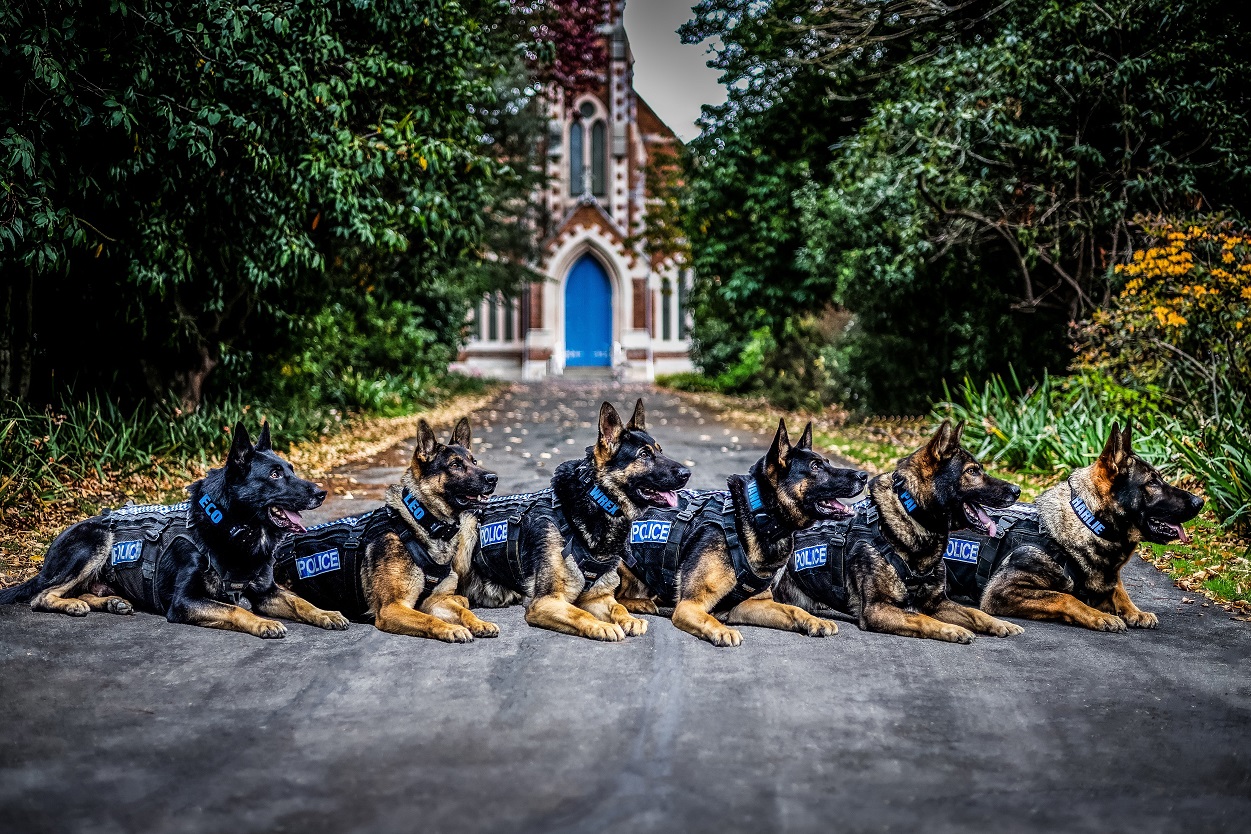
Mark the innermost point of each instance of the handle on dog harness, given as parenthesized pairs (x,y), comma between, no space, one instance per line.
(748,582)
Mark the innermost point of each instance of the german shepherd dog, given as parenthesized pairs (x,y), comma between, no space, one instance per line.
(556,552)
(393,566)
(727,557)
(893,578)
(206,562)
(1091,525)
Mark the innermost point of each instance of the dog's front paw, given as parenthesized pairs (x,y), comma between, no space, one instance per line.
(329,620)
(954,634)
(453,634)
(1141,619)
(1109,622)
(1001,628)
(484,629)
(640,606)
(632,626)
(817,627)
(117,605)
(75,608)
(269,629)
(724,637)
(608,632)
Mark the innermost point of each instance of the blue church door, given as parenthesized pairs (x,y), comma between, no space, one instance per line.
(588,315)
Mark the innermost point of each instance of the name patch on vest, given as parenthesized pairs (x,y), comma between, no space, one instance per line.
(650,532)
(609,506)
(810,557)
(494,533)
(962,550)
(125,553)
(309,566)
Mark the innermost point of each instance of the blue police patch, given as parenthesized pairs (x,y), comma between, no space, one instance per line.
(810,557)
(962,550)
(318,563)
(494,533)
(125,553)
(650,532)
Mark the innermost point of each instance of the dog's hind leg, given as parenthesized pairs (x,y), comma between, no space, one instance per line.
(604,606)
(762,610)
(975,620)
(889,619)
(1038,604)
(633,595)
(290,606)
(398,618)
(210,613)
(451,608)
(61,598)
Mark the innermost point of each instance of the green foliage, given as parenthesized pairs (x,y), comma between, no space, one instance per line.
(1219,455)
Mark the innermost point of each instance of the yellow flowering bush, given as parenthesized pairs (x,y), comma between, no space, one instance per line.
(1180,320)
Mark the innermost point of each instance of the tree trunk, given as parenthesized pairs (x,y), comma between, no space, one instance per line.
(188,384)
(17,306)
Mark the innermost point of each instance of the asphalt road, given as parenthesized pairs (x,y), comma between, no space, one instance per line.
(125,724)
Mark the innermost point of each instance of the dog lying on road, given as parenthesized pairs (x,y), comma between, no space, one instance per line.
(714,557)
(884,566)
(1063,561)
(207,562)
(394,566)
(556,552)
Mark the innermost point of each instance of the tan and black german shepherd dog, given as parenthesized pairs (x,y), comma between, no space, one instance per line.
(556,551)
(206,562)
(1091,525)
(392,567)
(893,577)
(726,561)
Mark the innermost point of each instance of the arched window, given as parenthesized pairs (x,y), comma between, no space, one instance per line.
(599,159)
(576,161)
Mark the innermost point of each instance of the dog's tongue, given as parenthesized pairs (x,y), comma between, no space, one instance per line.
(293,518)
(1182,535)
(986,520)
(670,498)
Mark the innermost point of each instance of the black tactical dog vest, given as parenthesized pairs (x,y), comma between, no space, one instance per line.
(499,556)
(656,540)
(817,564)
(323,563)
(142,535)
(972,556)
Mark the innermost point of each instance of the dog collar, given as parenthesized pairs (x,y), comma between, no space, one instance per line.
(437,529)
(764,522)
(606,504)
(1085,514)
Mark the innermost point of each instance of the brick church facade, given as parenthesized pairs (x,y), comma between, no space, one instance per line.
(604,307)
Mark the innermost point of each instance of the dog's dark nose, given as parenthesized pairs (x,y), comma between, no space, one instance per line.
(862,476)
(491,479)
(320,495)
(684,474)
(1196,503)
(1015,491)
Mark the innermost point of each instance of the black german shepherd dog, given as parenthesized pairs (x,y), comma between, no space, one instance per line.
(556,551)
(884,567)
(206,562)
(714,558)
(1090,525)
(393,566)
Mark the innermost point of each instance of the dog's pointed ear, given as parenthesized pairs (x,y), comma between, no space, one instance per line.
(958,437)
(1115,451)
(805,439)
(610,429)
(638,420)
(944,442)
(1128,438)
(426,442)
(240,449)
(780,451)
(263,443)
(462,435)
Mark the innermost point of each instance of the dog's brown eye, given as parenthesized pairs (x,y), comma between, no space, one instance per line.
(275,474)
(815,465)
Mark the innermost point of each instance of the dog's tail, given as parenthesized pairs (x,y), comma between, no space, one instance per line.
(24,592)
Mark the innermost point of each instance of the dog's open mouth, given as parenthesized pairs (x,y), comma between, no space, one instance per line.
(979,519)
(285,519)
(660,498)
(833,508)
(473,500)
(1167,531)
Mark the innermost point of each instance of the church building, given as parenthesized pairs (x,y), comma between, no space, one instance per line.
(605,308)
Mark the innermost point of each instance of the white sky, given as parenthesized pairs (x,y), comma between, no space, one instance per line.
(672,77)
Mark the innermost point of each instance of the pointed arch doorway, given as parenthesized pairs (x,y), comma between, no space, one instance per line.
(588,315)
